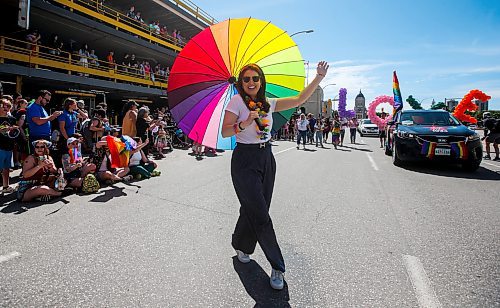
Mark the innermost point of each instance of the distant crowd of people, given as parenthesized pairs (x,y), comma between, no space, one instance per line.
(88,57)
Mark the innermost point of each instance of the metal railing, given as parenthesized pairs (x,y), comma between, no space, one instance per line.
(195,10)
(38,56)
(121,21)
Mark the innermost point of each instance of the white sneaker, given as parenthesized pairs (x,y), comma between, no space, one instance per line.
(277,280)
(243,257)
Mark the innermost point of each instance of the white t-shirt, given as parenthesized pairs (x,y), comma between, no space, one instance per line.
(249,135)
(302,124)
(135,159)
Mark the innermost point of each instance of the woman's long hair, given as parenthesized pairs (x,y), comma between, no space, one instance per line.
(261,94)
(128,105)
(68,102)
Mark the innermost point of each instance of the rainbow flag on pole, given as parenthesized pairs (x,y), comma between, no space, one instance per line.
(428,148)
(460,149)
(398,101)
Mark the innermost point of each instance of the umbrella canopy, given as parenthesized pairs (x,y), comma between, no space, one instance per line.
(202,82)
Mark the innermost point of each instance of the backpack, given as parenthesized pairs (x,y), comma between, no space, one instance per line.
(90,184)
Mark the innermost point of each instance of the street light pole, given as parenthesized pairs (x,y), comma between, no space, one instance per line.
(323,93)
(305,31)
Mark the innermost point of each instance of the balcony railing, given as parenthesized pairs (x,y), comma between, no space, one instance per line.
(121,21)
(195,10)
(38,56)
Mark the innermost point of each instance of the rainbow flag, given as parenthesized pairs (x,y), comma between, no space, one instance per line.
(398,101)
(428,148)
(119,154)
(460,149)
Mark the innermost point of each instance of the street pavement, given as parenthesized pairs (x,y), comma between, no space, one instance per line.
(355,231)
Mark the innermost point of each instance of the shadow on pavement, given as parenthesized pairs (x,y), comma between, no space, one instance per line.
(18,207)
(357,149)
(256,283)
(110,194)
(452,171)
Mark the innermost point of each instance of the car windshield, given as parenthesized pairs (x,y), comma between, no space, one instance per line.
(367,122)
(428,118)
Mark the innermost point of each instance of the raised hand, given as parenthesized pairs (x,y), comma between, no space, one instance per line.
(322,68)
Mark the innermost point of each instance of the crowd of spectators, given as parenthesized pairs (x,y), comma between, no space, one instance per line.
(87,57)
(155,27)
(71,150)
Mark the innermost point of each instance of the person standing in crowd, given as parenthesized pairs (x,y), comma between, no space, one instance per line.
(84,54)
(68,120)
(302,125)
(353,123)
(39,120)
(492,135)
(23,148)
(326,128)
(97,126)
(248,116)
(318,133)
(291,129)
(38,168)
(336,129)
(8,131)
(310,128)
(381,129)
(144,125)
(129,119)
(343,127)
(111,60)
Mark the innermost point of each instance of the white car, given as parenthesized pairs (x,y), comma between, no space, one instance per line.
(367,128)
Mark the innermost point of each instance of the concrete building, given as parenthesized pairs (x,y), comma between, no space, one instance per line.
(314,103)
(483,106)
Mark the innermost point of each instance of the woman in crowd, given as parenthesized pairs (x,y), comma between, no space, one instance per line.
(353,124)
(140,166)
(248,116)
(336,125)
(318,133)
(39,175)
(144,125)
(343,127)
(326,127)
(129,119)
(68,121)
(102,160)
(22,140)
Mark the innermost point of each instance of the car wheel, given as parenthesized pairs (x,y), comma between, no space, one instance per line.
(471,165)
(395,158)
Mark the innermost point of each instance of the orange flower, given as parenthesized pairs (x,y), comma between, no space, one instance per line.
(252,104)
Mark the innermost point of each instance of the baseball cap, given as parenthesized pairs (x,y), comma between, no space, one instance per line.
(71,140)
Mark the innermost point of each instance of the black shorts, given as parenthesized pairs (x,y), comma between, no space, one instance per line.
(382,134)
(493,138)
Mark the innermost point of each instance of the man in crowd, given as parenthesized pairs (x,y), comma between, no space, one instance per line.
(7,140)
(38,119)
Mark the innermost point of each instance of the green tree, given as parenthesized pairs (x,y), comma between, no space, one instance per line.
(413,102)
(439,105)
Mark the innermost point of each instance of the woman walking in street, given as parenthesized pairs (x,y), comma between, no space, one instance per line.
(253,168)
(343,126)
(353,124)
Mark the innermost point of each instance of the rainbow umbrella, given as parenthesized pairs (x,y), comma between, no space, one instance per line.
(202,79)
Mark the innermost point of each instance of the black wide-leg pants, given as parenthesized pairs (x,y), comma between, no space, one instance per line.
(253,170)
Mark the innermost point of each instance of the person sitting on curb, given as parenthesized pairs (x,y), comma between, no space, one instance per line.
(140,166)
(75,168)
(102,159)
(37,169)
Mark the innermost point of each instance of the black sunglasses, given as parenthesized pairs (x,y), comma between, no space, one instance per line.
(40,147)
(246,79)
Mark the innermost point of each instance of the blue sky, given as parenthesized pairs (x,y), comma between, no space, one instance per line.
(440,49)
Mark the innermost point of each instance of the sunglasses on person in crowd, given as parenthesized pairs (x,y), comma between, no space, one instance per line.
(40,147)
(246,79)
